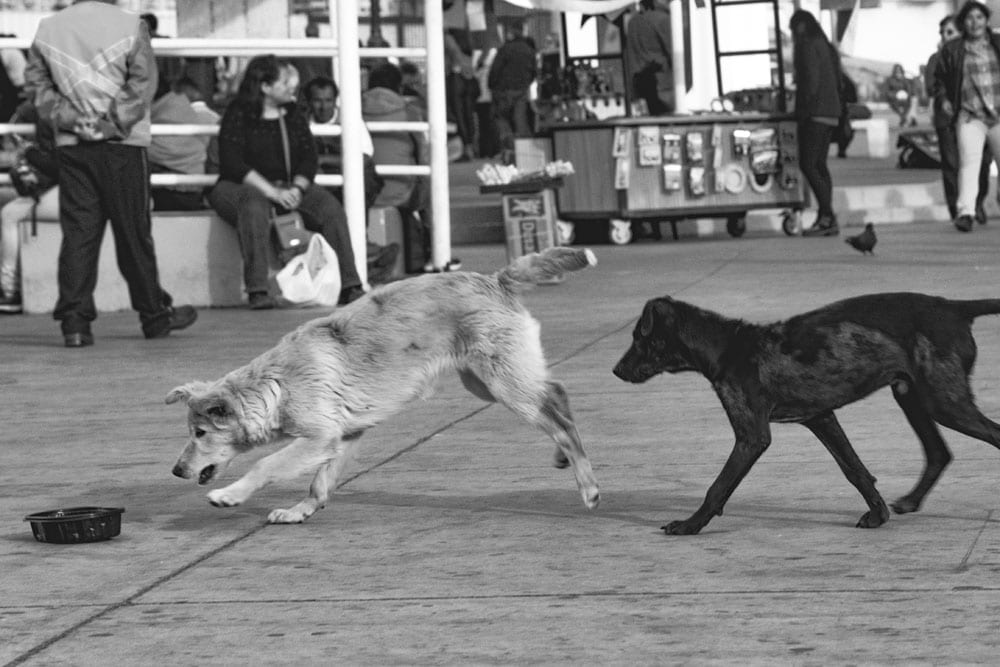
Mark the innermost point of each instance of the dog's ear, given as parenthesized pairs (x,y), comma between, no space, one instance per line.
(656,310)
(216,404)
(181,393)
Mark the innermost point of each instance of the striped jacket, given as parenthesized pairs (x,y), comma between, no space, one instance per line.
(93,61)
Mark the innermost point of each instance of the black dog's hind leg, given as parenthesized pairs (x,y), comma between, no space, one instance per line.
(828,430)
(753,437)
(936,454)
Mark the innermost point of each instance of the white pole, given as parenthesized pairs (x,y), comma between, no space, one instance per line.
(351,124)
(437,118)
(677,37)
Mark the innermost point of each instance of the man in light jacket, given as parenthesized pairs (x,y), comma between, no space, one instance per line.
(92,75)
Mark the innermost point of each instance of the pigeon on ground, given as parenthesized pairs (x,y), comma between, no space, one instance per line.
(865,241)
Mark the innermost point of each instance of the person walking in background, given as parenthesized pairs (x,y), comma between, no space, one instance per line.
(513,70)
(461,87)
(900,95)
(944,126)
(817,109)
(648,42)
(95,87)
(968,73)
(254,177)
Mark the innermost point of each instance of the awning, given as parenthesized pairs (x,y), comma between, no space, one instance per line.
(586,7)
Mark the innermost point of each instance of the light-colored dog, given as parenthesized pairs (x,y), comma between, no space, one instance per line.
(326,382)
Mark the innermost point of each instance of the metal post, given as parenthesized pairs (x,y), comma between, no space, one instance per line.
(350,121)
(677,37)
(437,118)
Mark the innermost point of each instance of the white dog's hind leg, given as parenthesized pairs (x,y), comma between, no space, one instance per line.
(323,484)
(301,455)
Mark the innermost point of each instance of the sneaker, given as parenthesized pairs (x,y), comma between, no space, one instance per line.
(963,223)
(825,225)
(261,301)
(78,339)
(11,304)
(180,317)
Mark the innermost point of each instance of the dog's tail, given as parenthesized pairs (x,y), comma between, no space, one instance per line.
(537,267)
(973,308)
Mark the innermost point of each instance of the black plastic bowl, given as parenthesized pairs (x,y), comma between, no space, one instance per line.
(76,524)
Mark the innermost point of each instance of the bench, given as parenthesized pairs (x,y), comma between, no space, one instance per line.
(197,253)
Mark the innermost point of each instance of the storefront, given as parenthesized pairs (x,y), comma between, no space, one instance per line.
(720,159)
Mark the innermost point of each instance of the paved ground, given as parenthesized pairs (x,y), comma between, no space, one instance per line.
(455,542)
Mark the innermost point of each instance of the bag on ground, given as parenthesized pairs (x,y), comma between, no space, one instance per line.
(312,278)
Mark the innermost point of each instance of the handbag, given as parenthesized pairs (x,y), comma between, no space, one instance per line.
(290,234)
(27,177)
(312,278)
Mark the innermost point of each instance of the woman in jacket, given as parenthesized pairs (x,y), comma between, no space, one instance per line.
(254,177)
(817,109)
(968,71)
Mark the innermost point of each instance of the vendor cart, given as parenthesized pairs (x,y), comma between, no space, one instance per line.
(674,168)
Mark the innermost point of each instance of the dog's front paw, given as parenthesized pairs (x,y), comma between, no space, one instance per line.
(681,528)
(225,497)
(905,505)
(287,516)
(560,460)
(872,519)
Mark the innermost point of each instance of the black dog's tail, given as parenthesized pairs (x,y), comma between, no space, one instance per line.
(973,308)
(546,265)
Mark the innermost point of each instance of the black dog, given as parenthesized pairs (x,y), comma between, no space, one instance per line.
(803,369)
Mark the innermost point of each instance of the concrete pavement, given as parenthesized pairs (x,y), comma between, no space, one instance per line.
(454,541)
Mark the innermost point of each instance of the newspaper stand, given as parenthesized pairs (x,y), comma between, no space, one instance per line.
(529,214)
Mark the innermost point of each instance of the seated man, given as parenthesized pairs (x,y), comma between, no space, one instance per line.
(181,154)
(321,95)
(384,102)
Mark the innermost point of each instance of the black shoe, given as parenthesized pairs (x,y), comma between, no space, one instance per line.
(980,215)
(963,223)
(11,304)
(825,225)
(261,301)
(349,294)
(80,339)
(180,317)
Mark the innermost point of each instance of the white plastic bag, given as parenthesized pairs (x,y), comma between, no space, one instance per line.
(312,278)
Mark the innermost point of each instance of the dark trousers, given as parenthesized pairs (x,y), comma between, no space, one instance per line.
(461,94)
(511,115)
(100,182)
(814,147)
(246,208)
(948,147)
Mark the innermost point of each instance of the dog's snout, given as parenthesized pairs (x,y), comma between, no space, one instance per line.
(180,471)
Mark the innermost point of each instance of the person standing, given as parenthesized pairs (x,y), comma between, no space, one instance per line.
(817,109)
(944,126)
(649,45)
(513,70)
(968,73)
(95,88)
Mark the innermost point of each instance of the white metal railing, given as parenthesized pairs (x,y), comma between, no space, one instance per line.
(349,130)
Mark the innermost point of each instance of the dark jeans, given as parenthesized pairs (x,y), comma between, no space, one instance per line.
(659,101)
(246,208)
(99,182)
(461,94)
(948,147)
(511,114)
(814,147)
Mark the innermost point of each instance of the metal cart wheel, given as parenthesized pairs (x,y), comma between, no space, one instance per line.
(791,221)
(736,225)
(566,232)
(620,232)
